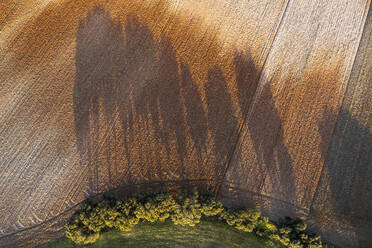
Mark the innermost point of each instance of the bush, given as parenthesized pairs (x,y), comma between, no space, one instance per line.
(188,210)
(92,220)
(292,233)
(245,220)
(266,229)
(127,217)
(81,236)
(209,206)
(79,233)
(108,213)
(157,208)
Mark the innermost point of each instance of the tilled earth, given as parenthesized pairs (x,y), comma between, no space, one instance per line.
(265,102)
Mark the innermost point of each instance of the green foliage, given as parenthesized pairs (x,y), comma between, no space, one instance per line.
(108,213)
(245,220)
(92,220)
(292,233)
(186,210)
(80,233)
(157,208)
(266,229)
(209,206)
(126,218)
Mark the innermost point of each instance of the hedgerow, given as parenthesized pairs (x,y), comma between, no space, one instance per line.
(185,209)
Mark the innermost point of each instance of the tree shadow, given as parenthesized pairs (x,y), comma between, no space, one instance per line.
(196,119)
(263,176)
(266,131)
(96,86)
(139,115)
(343,199)
(247,79)
(220,116)
(141,118)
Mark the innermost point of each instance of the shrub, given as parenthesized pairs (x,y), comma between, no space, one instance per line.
(158,208)
(266,229)
(108,213)
(209,206)
(80,234)
(245,220)
(188,211)
(127,217)
(292,233)
(92,220)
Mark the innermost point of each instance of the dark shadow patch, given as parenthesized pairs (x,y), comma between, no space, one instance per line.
(195,116)
(247,78)
(127,78)
(267,135)
(344,194)
(99,52)
(140,117)
(220,117)
(268,183)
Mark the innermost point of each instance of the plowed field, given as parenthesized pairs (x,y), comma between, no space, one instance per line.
(264,102)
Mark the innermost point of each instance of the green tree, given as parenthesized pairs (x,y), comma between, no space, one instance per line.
(188,211)
(245,220)
(127,218)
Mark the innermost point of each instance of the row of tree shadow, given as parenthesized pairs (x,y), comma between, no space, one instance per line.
(126,71)
(130,73)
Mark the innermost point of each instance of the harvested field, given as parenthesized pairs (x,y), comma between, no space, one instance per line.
(265,102)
